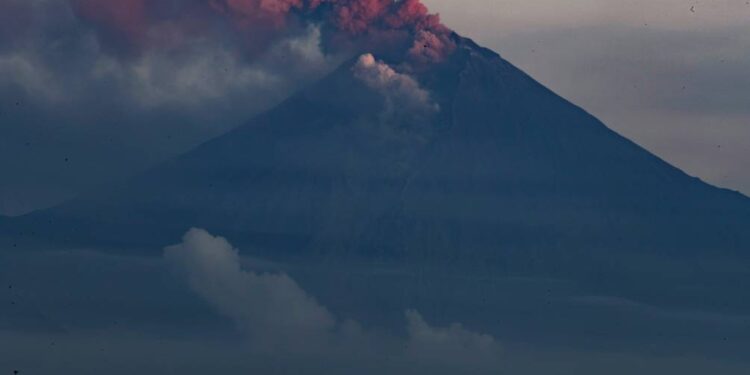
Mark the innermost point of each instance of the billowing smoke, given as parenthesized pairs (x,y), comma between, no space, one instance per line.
(430,344)
(270,307)
(281,319)
(404,27)
(106,89)
(96,90)
(400,90)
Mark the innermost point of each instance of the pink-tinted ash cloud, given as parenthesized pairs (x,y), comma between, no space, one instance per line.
(129,25)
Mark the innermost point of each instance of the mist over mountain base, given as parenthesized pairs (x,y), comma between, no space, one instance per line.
(201,307)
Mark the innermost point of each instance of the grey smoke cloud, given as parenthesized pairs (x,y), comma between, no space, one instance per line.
(73,115)
(271,308)
(281,319)
(401,91)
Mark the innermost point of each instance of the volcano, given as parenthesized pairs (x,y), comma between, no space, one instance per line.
(497,169)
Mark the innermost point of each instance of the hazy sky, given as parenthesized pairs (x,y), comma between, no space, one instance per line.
(670,74)
(673,75)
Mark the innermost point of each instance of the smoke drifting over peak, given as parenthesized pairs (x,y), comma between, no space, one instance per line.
(406,27)
(94,83)
(400,90)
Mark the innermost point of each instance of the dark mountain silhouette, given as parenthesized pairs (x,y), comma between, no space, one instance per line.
(506,171)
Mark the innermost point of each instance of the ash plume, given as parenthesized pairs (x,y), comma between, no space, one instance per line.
(167,75)
(400,90)
(405,28)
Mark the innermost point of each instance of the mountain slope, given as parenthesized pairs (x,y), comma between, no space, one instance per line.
(505,169)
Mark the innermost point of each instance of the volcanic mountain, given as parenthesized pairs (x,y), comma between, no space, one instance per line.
(493,168)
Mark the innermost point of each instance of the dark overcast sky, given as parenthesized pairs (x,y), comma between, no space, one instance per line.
(672,75)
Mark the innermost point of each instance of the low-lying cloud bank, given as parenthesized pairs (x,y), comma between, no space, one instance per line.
(116,314)
(280,320)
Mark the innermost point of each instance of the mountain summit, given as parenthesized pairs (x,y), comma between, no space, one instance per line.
(468,159)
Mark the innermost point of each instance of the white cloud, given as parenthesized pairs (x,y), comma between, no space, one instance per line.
(184,78)
(282,320)
(269,307)
(453,344)
(430,340)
